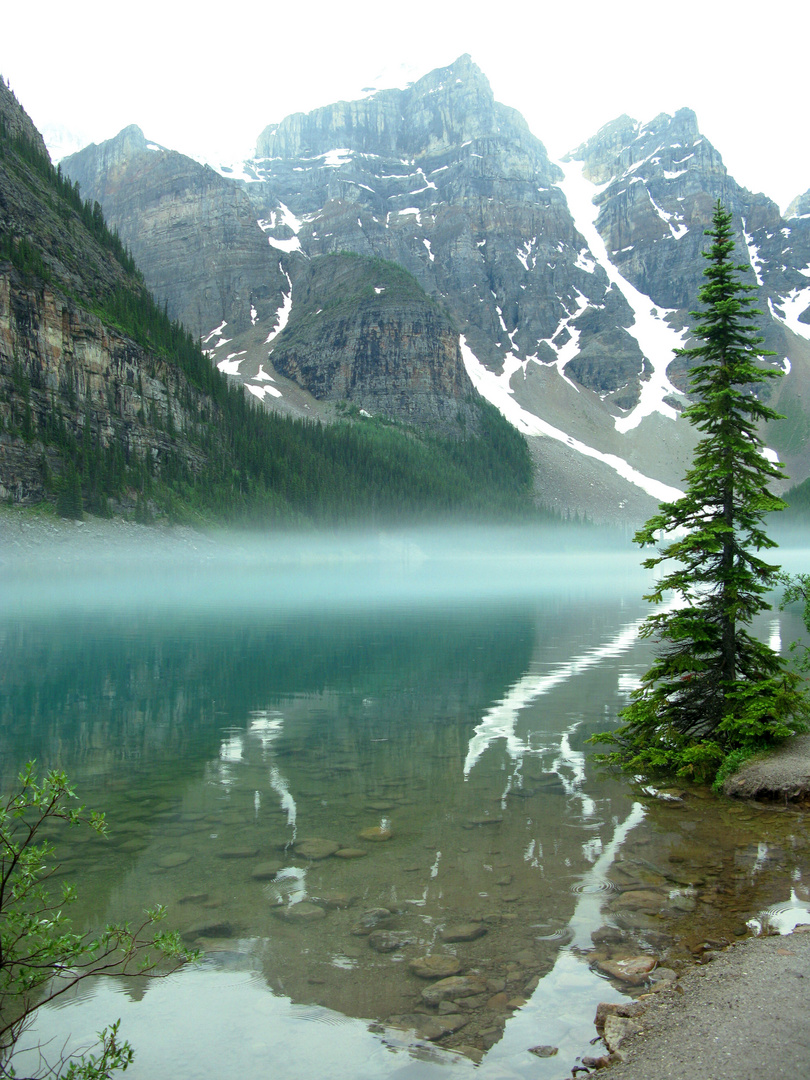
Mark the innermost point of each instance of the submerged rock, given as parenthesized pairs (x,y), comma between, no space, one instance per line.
(370,920)
(248,852)
(544,1050)
(430,1027)
(482,819)
(385,941)
(208,930)
(301,912)
(434,966)
(639,900)
(176,858)
(316,848)
(377,834)
(634,971)
(456,986)
(265,871)
(463,932)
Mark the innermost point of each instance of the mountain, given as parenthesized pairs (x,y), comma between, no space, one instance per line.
(656,185)
(193,233)
(109,405)
(569,283)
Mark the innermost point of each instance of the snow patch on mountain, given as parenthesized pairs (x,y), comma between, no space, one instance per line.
(262,391)
(287,246)
(230,365)
(283,313)
(496,389)
(289,219)
(793,305)
(657,340)
(282,216)
(218,331)
(678,230)
(568,351)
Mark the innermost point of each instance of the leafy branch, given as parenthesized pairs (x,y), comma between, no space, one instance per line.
(41,956)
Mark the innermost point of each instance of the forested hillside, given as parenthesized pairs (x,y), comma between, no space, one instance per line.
(108,405)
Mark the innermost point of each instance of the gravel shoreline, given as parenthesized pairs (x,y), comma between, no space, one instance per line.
(744,1016)
(24,535)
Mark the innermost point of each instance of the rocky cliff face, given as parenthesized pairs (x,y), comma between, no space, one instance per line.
(17,120)
(450,184)
(57,360)
(65,374)
(662,181)
(658,185)
(363,331)
(192,233)
(435,116)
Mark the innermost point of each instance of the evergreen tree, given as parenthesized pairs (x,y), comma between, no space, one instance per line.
(714,690)
(69,495)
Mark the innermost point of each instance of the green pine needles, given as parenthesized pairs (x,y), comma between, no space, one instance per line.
(714,690)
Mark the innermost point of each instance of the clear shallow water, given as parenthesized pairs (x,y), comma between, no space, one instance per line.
(224,708)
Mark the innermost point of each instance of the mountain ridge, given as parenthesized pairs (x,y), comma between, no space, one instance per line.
(445,182)
(107,405)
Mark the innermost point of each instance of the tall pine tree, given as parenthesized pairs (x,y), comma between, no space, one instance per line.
(714,689)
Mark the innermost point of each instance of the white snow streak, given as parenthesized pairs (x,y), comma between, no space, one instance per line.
(230,365)
(333,159)
(793,305)
(585,262)
(655,338)
(677,230)
(218,331)
(524,254)
(495,388)
(261,391)
(289,219)
(283,313)
(753,254)
(293,244)
(567,352)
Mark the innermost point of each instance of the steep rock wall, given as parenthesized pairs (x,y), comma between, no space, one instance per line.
(193,234)
(363,331)
(58,360)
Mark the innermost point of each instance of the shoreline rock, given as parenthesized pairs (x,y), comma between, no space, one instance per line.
(743,1016)
(784,773)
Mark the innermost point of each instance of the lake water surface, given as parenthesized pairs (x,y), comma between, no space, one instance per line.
(422,702)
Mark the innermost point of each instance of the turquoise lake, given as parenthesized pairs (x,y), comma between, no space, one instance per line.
(422,702)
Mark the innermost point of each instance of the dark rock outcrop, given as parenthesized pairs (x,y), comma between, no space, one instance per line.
(363,331)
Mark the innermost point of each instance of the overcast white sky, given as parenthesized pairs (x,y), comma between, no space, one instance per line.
(206,78)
